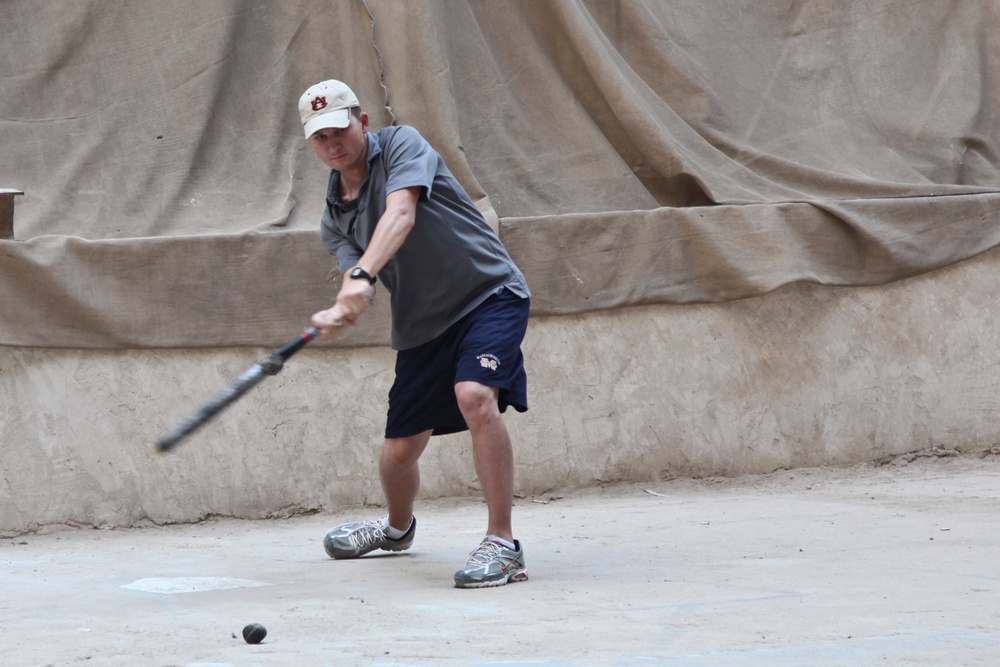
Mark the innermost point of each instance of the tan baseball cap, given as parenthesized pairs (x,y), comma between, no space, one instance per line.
(326,104)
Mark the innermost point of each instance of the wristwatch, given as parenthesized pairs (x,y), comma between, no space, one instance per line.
(358,272)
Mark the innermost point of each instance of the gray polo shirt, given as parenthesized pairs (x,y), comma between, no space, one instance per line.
(450,262)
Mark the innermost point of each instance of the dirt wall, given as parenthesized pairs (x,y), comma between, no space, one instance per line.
(804,376)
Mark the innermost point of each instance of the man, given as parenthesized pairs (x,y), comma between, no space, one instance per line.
(459,306)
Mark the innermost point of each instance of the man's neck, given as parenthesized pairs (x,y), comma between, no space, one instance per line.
(350,184)
(353,177)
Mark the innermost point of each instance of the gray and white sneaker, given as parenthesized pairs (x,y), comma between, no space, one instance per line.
(492,564)
(350,540)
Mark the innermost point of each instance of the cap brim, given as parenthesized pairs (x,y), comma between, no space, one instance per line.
(338,119)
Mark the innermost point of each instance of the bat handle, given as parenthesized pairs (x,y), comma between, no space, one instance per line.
(291,348)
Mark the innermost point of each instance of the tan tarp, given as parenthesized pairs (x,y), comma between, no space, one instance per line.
(636,151)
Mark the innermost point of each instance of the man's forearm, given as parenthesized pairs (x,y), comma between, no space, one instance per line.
(392,229)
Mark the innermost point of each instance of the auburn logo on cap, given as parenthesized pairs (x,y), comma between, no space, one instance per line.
(318,103)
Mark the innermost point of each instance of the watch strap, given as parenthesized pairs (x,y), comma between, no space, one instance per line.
(360,274)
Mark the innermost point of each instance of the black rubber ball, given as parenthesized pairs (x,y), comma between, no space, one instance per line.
(254,633)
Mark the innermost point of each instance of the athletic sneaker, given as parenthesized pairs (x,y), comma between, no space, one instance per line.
(492,564)
(350,540)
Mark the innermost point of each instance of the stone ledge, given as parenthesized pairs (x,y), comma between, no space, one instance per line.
(7,212)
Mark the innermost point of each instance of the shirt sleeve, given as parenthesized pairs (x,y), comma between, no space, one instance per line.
(410,162)
(337,244)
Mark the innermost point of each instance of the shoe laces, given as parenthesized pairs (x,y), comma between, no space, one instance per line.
(485,553)
(369,533)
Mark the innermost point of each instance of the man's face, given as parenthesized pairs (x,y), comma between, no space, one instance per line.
(342,149)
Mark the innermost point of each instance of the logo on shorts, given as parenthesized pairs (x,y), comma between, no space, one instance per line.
(489,361)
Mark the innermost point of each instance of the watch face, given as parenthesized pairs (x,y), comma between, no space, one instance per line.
(362,274)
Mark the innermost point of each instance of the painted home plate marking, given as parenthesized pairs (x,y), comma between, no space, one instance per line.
(172,585)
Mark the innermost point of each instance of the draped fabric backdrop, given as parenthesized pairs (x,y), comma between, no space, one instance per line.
(634,151)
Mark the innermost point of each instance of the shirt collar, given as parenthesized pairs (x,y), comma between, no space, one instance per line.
(374,147)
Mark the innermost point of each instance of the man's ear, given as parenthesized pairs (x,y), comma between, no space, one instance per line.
(364,121)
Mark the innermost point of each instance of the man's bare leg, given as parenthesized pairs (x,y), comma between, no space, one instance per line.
(492,452)
(399,470)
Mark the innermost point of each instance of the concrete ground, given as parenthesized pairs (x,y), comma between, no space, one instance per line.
(867,565)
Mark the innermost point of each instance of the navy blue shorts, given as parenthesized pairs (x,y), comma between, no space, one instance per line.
(484,346)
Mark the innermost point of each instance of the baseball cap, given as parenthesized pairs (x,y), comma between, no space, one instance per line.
(326,104)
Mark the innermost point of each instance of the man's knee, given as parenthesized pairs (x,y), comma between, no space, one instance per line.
(403,452)
(476,400)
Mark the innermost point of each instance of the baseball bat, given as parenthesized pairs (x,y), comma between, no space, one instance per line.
(269,365)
